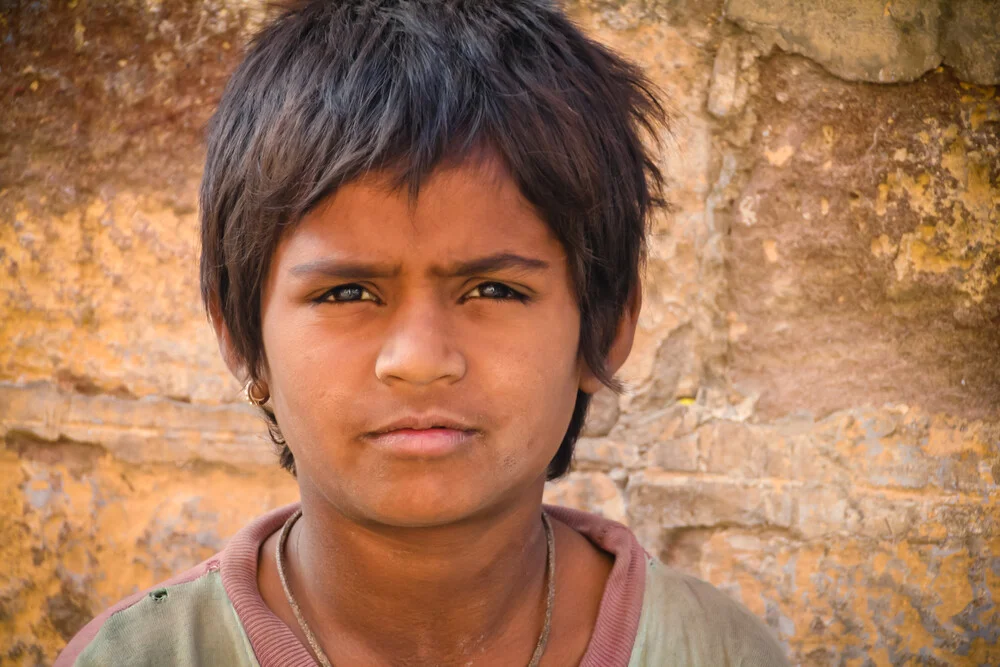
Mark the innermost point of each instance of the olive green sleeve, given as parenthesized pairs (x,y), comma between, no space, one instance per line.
(687,622)
(185,625)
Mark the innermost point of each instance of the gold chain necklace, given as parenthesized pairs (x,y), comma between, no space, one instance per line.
(550,595)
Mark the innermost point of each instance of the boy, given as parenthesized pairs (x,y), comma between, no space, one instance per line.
(422,224)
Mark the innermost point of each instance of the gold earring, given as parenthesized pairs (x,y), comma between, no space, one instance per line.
(262,396)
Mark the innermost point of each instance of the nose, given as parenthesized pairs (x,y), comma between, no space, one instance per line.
(419,347)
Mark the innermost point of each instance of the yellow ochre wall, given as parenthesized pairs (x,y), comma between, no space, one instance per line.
(813,415)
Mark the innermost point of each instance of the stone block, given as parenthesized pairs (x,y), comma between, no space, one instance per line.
(679,454)
(652,426)
(659,501)
(152,430)
(970,40)
(821,512)
(738,449)
(605,454)
(846,600)
(590,491)
(728,92)
(90,530)
(902,450)
(602,414)
(866,40)
(674,361)
(864,276)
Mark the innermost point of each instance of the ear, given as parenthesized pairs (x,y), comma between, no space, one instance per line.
(226,348)
(620,347)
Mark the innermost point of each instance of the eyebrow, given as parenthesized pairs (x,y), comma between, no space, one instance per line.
(334,268)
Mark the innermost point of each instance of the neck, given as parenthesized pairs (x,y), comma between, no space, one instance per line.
(414,595)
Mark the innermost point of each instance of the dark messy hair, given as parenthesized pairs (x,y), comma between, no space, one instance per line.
(332,89)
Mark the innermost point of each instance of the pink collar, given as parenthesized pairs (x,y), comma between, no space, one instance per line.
(611,644)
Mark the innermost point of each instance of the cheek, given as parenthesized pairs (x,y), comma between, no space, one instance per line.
(537,375)
(314,377)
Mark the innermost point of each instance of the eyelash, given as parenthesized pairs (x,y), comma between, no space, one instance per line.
(514,294)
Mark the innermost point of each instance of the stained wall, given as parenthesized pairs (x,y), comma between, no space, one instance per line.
(812,420)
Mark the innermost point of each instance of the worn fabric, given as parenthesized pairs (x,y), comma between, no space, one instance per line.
(650,615)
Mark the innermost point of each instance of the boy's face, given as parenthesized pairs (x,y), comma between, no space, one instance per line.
(455,310)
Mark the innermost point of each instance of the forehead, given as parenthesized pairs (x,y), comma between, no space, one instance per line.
(470,209)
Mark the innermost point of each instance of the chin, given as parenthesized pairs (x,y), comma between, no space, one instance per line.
(423,499)
(427,501)
(408,493)
(426,511)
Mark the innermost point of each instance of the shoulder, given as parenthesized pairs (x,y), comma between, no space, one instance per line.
(202,616)
(186,620)
(687,621)
(653,615)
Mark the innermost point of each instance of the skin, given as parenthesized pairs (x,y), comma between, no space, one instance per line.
(439,559)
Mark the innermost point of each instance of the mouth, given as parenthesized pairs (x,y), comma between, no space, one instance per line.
(422,438)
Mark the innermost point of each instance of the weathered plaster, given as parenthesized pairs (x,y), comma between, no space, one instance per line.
(882,41)
(811,421)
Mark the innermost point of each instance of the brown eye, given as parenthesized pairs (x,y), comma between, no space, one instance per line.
(347,293)
(496,292)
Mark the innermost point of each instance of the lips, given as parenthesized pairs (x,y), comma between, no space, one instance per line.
(423,436)
(424,422)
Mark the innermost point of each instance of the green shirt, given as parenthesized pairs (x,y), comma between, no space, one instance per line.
(650,614)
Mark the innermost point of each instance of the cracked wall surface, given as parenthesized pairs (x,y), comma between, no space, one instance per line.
(813,414)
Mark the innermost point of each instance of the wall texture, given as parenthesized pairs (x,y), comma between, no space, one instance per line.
(813,421)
